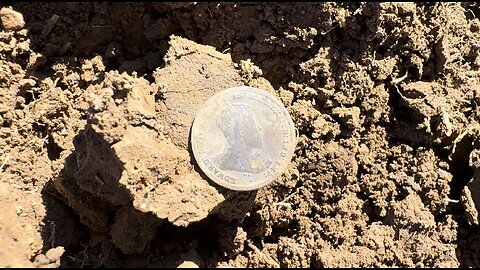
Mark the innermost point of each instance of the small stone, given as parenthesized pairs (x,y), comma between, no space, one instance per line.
(11,20)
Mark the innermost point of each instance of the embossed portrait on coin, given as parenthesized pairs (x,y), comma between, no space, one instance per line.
(245,140)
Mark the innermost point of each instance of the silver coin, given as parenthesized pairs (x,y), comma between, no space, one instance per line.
(243,138)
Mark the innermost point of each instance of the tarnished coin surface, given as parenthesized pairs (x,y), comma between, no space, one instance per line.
(243,138)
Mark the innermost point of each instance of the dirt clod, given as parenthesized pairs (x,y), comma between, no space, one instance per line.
(11,19)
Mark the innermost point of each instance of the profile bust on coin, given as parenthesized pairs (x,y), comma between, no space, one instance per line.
(243,138)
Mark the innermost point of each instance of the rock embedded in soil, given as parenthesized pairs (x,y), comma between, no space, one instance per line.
(133,160)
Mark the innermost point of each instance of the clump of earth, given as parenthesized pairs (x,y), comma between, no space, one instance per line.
(96,106)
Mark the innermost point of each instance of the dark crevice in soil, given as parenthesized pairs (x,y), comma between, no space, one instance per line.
(472,10)
(28,96)
(403,126)
(460,168)
(253,225)
(286,229)
(211,238)
(53,149)
(402,194)
(40,129)
(468,242)
(202,236)
(369,208)
(62,225)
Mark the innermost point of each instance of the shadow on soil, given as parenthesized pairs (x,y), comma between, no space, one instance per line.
(91,215)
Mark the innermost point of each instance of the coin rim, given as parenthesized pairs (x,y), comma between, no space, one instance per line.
(282,166)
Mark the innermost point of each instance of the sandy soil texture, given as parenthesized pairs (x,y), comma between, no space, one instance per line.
(97,101)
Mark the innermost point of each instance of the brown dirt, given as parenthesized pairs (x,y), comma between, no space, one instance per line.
(97,99)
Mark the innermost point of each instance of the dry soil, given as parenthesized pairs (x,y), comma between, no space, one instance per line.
(97,100)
